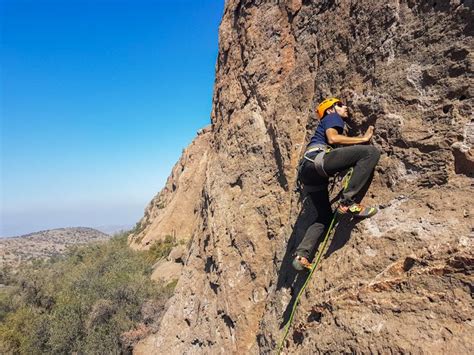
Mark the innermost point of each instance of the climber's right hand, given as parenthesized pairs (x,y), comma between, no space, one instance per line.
(369,133)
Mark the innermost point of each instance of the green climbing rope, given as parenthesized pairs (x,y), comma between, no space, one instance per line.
(313,268)
(345,184)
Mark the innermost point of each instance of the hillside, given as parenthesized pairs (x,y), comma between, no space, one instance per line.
(400,282)
(45,244)
(97,299)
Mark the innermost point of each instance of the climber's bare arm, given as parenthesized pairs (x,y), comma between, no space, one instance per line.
(335,138)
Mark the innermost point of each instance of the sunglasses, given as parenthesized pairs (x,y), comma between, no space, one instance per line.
(339,104)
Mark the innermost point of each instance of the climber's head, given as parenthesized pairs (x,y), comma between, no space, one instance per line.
(332,105)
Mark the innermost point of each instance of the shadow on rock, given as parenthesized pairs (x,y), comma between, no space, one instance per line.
(290,278)
(342,234)
(287,274)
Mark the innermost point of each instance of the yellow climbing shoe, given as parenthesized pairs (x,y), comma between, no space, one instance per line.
(357,210)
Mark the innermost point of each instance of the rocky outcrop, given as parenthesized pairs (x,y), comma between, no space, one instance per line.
(398,282)
(169,269)
(175,210)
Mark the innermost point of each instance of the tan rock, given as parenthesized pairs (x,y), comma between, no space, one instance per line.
(399,282)
(177,254)
(175,210)
(166,271)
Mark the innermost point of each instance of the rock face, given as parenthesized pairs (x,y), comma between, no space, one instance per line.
(400,281)
(175,210)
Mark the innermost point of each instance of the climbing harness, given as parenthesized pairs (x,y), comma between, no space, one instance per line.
(318,159)
(311,271)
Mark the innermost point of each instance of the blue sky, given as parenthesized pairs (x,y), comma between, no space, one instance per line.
(98,100)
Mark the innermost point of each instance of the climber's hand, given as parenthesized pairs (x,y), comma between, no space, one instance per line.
(369,133)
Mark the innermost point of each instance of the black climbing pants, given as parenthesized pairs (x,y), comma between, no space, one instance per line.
(362,158)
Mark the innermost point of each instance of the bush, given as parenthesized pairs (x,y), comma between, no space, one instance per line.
(161,248)
(80,303)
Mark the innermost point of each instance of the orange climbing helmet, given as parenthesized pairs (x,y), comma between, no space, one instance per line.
(323,106)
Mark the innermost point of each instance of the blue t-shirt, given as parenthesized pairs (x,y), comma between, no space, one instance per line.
(333,120)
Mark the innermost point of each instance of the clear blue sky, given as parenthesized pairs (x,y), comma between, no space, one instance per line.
(98,100)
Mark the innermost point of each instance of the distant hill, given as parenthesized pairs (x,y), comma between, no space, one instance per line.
(113,229)
(45,244)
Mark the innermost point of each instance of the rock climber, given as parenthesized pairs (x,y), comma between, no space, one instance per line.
(323,159)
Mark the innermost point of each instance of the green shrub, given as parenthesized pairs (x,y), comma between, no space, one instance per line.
(80,303)
(161,248)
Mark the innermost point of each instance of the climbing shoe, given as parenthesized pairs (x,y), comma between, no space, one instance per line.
(301,263)
(356,210)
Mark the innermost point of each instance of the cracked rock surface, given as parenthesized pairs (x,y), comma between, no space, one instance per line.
(399,282)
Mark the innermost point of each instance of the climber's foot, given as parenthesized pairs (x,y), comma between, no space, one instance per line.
(301,263)
(356,210)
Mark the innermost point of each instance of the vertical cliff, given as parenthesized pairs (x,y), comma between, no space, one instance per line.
(174,211)
(400,281)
